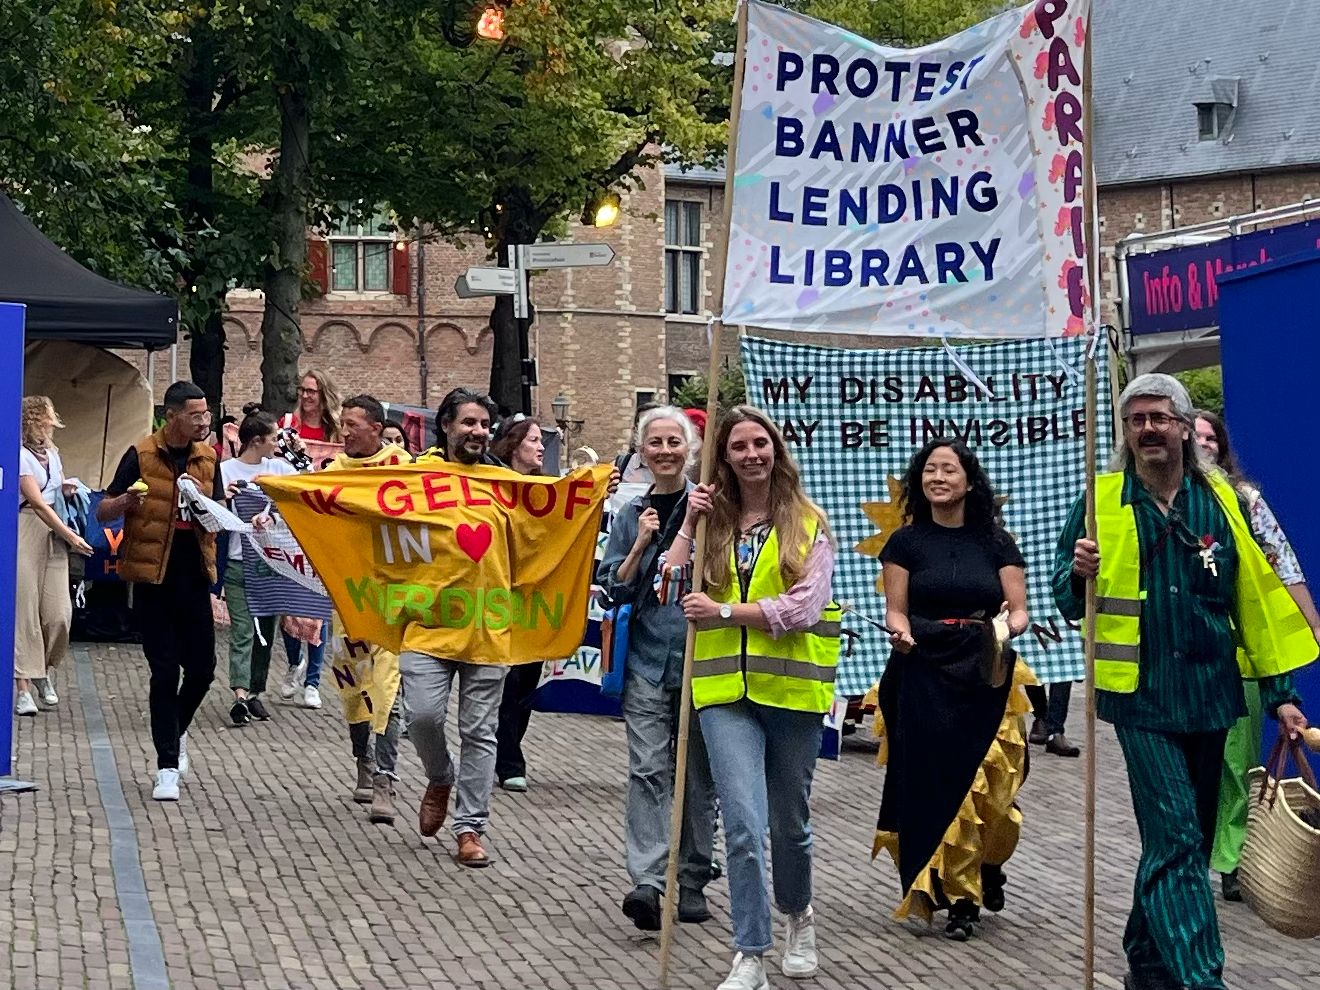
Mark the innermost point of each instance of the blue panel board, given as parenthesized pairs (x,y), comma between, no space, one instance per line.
(1270,350)
(11,398)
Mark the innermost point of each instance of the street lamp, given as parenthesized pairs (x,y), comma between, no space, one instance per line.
(567,427)
(602,210)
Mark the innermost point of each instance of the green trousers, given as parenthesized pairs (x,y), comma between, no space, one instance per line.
(1173,933)
(249,658)
(1241,753)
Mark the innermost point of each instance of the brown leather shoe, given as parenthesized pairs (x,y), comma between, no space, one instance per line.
(435,806)
(470,851)
(1058,745)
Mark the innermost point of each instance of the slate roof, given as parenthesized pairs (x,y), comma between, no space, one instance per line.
(1154,60)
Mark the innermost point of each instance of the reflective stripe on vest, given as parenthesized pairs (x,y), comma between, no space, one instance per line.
(1118,590)
(795,671)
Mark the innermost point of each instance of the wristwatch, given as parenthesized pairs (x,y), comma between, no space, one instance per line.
(726,612)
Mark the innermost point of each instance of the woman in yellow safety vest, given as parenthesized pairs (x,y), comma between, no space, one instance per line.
(763,677)
(951,703)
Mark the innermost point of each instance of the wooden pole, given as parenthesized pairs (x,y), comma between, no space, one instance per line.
(720,258)
(1092,280)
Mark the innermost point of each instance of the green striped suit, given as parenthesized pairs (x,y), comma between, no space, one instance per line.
(1172,728)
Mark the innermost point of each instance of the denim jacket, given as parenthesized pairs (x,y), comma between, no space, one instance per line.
(657,633)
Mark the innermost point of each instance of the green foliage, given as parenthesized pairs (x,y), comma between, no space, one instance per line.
(694,393)
(902,23)
(1206,387)
(73,154)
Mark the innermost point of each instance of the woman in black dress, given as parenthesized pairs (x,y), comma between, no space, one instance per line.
(950,701)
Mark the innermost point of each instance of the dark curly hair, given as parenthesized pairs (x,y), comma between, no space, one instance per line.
(981,506)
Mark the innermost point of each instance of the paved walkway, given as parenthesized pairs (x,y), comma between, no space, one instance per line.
(266,875)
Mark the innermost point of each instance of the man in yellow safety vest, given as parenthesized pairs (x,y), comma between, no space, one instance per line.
(1181,585)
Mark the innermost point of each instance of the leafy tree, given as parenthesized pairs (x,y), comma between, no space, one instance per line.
(505,141)
(902,23)
(695,392)
(1206,387)
(72,154)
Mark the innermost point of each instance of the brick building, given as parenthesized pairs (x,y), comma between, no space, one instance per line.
(1204,123)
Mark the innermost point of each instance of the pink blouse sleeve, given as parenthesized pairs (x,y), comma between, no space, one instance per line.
(800,606)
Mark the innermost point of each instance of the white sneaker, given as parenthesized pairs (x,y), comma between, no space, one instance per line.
(311,697)
(748,973)
(24,705)
(800,960)
(292,681)
(167,786)
(46,692)
(184,762)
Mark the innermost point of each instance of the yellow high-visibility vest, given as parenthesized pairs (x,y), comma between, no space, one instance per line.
(795,671)
(1271,630)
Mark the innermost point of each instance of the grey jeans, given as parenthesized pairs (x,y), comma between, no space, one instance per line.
(650,716)
(385,757)
(428,682)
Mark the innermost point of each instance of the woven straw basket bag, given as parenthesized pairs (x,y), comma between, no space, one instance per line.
(1280,865)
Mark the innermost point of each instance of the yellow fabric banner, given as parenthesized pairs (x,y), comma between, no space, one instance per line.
(367,677)
(466,562)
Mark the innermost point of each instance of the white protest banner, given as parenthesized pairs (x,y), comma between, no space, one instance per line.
(853,420)
(935,191)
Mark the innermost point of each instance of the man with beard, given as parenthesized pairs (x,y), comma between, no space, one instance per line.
(463,424)
(1180,582)
(172,565)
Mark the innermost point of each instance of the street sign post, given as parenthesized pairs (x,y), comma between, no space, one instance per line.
(494,281)
(478,282)
(568,255)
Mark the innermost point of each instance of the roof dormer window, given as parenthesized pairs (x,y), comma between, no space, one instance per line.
(1216,109)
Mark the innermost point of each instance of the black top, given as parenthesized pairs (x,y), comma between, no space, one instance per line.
(664,505)
(130,471)
(953,572)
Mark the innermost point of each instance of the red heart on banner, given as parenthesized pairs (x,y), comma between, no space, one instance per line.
(474,540)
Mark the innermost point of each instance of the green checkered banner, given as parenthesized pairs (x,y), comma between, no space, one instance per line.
(854,418)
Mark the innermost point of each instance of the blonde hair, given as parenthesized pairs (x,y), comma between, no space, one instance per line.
(39,416)
(331,404)
(791,510)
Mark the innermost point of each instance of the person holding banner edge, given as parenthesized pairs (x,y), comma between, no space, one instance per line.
(1179,582)
(250,640)
(950,705)
(1242,749)
(767,646)
(642,532)
(362,420)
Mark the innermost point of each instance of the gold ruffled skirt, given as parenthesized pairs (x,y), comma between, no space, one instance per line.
(986,828)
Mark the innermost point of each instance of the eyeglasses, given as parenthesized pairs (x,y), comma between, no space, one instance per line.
(1157,421)
(310,391)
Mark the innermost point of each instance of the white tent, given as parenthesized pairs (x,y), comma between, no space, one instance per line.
(104,401)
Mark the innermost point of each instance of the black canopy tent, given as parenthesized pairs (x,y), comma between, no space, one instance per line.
(66,301)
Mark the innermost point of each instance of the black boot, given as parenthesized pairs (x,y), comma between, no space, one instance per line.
(1231,886)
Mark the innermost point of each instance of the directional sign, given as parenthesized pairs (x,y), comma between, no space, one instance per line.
(492,281)
(568,255)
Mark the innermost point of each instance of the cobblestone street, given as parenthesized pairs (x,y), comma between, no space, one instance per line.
(265,875)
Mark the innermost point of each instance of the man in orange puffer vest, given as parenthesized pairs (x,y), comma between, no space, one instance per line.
(172,565)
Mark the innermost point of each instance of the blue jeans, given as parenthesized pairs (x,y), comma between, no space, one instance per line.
(763,759)
(315,655)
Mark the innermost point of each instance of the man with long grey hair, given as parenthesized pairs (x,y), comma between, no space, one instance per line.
(1180,582)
